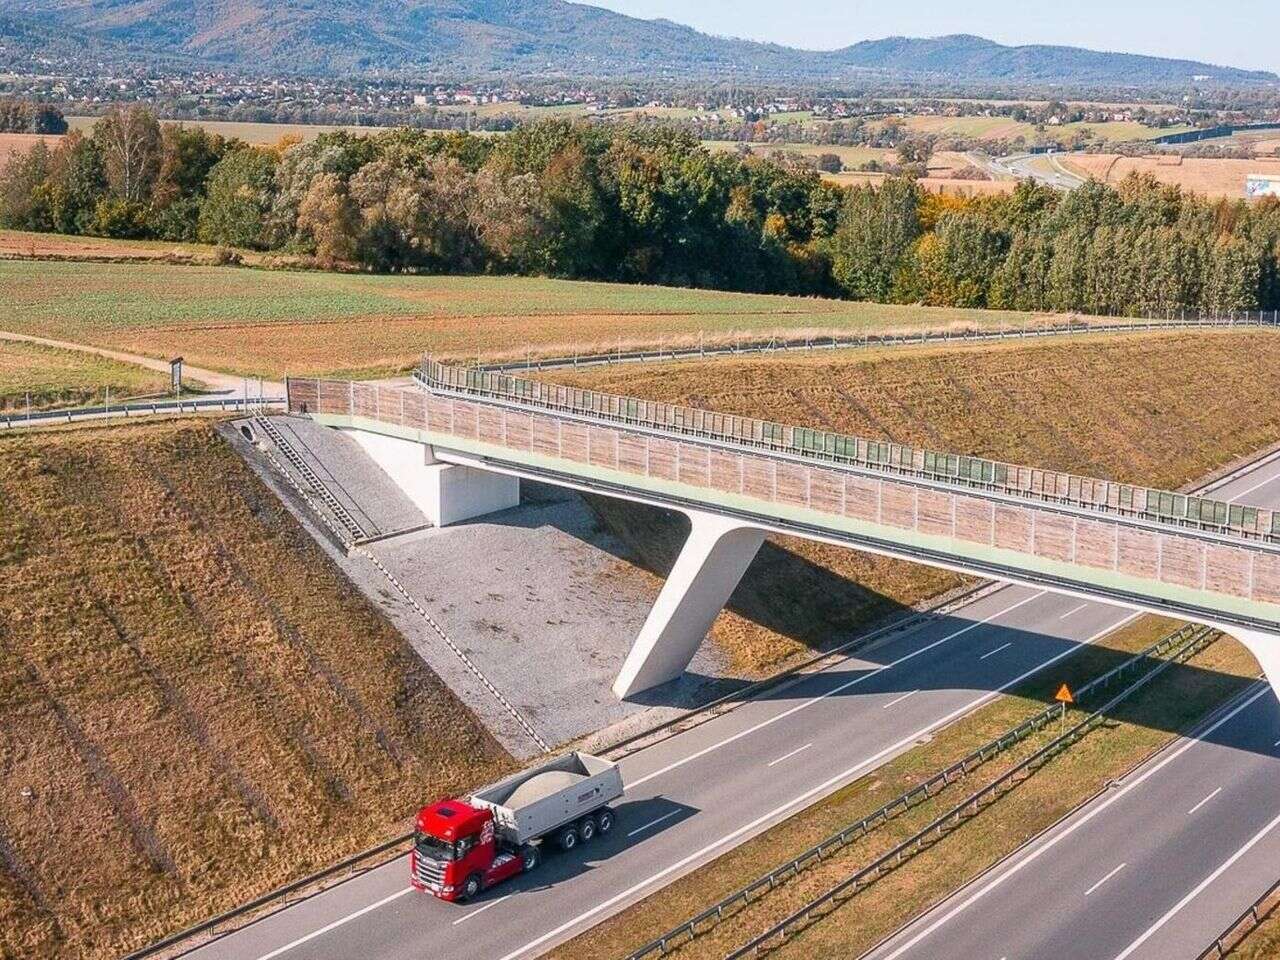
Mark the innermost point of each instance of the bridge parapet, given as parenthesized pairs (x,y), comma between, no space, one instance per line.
(992,476)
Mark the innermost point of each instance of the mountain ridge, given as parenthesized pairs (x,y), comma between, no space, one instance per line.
(552,37)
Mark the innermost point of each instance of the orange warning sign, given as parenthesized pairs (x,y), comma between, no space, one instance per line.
(1064,695)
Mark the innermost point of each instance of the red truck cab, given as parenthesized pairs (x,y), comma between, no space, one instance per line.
(456,853)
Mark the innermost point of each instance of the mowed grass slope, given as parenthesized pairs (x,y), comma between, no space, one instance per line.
(276,322)
(49,377)
(1160,409)
(195,706)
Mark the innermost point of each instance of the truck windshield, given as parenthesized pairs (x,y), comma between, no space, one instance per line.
(433,847)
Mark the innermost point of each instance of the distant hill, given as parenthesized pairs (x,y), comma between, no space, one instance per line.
(538,37)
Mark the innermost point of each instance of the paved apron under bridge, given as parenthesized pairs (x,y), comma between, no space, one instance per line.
(738,479)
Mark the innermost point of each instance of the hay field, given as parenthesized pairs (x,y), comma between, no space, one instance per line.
(12,144)
(49,377)
(260,134)
(1124,408)
(276,322)
(1211,177)
(195,705)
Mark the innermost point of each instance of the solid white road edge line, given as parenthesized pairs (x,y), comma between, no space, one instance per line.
(1200,888)
(992,653)
(1204,801)
(788,756)
(1105,879)
(337,923)
(830,693)
(1191,740)
(835,781)
(491,903)
(652,823)
(1256,486)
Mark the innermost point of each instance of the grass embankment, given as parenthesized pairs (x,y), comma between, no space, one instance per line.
(1151,719)
(195,705)
(263,322)
(1157,409)
(1263,943)
(50,377)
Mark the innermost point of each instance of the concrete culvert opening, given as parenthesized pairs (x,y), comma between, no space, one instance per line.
(247,431)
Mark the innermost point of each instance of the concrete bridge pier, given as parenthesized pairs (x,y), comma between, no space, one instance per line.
(1265,648)
(711,563)
(446,493)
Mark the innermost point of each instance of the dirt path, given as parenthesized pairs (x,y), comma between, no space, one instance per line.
(212,379)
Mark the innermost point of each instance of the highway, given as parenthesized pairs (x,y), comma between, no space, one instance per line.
(697,794)
(1046,169)
(1153,869)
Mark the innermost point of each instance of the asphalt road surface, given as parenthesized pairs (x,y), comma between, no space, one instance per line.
(1046,169)
(1153,869)
(698,794)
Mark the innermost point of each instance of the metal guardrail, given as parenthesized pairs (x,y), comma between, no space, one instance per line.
(1243,925)
(711,917)
(782,344)
(975,473)
(967,808)
(152,408)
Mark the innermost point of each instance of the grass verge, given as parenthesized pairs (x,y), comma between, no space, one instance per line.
(49,377)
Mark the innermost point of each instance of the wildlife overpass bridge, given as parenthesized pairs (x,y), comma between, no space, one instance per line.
(459,439)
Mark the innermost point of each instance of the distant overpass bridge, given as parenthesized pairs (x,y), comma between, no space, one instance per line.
(458,441)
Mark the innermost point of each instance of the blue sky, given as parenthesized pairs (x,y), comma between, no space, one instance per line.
(1238,33)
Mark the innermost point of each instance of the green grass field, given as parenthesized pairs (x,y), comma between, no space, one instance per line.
(274,322)
(48,377)
(1004,128)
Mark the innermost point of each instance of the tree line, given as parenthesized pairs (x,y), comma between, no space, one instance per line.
(27,116)
(647,204)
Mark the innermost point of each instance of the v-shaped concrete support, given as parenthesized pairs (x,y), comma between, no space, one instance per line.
(1265,647)
(710,564)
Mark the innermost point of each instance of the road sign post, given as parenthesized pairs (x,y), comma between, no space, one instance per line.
(1066,698)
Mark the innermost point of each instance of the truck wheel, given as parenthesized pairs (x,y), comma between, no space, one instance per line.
(568,838)
(529,854)
(587,829)
(604,821)
(471,888)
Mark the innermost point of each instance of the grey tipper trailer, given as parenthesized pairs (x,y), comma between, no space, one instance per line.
(568,794)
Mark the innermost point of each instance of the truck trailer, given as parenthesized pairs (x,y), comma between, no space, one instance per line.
(467,845)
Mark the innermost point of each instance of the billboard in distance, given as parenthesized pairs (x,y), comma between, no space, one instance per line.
(1262,185)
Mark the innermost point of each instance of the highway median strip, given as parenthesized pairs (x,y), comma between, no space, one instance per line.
(823,905)
(1174,647)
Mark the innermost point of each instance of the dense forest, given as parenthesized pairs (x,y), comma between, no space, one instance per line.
(647,204)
